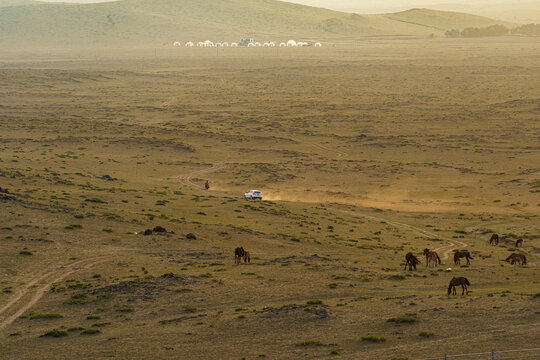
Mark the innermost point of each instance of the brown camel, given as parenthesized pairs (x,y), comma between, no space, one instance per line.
(494,239)
(247,256)
(516,258)
(456,281)
(459,254)
(411,260)
(519,243)
(432,257)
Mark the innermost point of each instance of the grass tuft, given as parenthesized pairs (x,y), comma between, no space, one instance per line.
(374,339)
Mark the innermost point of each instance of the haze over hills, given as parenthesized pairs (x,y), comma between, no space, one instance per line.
(158,22)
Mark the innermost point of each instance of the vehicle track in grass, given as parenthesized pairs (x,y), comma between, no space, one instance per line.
(339,154)
(186,179)
(34,290)
(451,246)
(446,250)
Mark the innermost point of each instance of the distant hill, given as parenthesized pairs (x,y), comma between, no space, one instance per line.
(15,2)
(157,22)
(442,20)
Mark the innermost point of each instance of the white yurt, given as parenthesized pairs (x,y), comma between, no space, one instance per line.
(177,43)
(189,44)
(234,44)
(218,44)
(200,44)
(318,44)
(208,43)
(225,44)
(251,45)
(282,44)
(258,44)
(271,44)
(291,43)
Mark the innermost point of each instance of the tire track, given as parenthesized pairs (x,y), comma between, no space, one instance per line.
(452,243)
(20,302)
(339,154)
(186,179)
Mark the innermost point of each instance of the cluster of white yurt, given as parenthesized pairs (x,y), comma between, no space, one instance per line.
(209,43)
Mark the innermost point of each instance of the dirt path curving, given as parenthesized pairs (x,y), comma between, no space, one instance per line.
(25,298)
(339,154)
(186,179)
(452,243)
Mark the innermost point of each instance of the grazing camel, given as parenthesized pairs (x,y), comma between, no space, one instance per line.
(456,281)
(238,255)
(494,239)
(247,256)
(519,243)
(516,258)
(460,254)
(432,257)
(411,260)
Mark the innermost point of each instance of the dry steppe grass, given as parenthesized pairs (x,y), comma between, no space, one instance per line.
(363,154)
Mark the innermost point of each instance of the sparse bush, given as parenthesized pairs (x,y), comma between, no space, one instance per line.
(314,302)
(55,333)
(73,226)
(403,320)
(95,200)
(426,334)
(45,316)
(90,331)
(76,328)
(374,339)
(310,343)
(125,310)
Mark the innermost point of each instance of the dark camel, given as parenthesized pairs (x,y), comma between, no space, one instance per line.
(432,257)
(516,258)
(519,243)
(459,254)
(456,281)
(411,260)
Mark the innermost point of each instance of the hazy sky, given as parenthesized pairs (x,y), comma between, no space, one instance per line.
(524,10)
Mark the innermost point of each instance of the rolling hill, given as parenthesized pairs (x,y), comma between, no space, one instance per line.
(157,22)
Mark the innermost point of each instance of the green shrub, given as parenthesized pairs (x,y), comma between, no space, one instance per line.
(374,339)
(95,200)
(310,343)
(125,309)
(73,227)
(403,320)
(45,316)
(55,333)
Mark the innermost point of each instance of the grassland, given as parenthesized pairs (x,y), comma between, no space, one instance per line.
(363,154)
(158,23)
